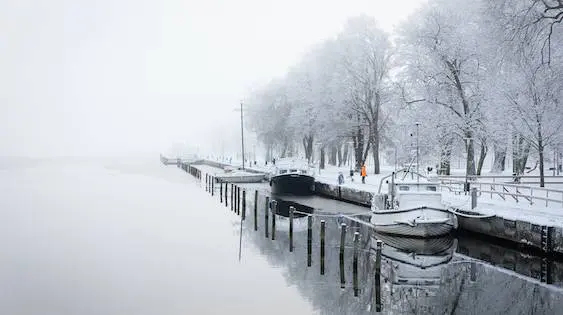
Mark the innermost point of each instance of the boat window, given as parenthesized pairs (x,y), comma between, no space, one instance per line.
(404,188)
(431,188)
(293,171)
(283,171)
(303,172)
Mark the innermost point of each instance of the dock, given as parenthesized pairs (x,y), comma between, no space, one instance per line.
(529,229)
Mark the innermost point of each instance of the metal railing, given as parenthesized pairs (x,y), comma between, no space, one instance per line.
(517,193)
(522,179)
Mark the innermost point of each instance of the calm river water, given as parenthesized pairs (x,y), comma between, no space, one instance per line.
(108,236)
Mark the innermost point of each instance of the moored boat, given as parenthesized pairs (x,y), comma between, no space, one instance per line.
(413,208)
(292,176)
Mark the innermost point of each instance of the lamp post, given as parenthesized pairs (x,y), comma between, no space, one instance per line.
(417,171)
(242,135)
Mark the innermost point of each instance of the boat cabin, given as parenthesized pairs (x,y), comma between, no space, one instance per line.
(290,167)
(416,194)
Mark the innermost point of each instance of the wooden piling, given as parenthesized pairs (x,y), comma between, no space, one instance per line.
(232,197)
(206,182)
(226,194)
(378,276)
(274,212)
(238,200)
(256,210)
(266,209)
(309,239)
(220,192)
(342,242)
(244,204)
(323,227)
(212,186)
(291,210)
(355,264)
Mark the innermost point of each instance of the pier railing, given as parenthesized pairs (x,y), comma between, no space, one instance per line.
(509,192)
(508,179)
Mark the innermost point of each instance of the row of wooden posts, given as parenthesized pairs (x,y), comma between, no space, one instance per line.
(238,205)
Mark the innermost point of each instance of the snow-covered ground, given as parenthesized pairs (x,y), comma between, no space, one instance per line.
(127,237)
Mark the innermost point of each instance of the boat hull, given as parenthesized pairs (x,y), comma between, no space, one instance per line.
(419,222)
(293,184)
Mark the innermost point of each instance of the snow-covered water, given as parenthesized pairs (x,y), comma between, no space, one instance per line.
(104,236)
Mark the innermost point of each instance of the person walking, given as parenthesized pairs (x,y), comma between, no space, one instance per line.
(340,178)
(363,173)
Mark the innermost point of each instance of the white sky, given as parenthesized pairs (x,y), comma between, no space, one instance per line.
(131,77)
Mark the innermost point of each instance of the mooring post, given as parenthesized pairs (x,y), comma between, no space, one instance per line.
(378,276)
(226,194)
(256,210)
(244,204)
(220,192)
(238,200)
(212,185)
(274,212)
(291,210)
(206,182)
(232,197)
(355,263)
(266,209)
(323,226)
(309,239)
(342,242)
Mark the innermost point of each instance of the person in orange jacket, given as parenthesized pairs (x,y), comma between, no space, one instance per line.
(364,173)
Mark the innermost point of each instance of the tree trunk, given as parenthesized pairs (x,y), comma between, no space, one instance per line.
(333,155)
(446,157)
(470,148)
(540,153)
(359,147)
(482,156)
(520,153)
(375,153)
(499,159)
(345,153)
(339,154)
(308,147)
(365,156)
(322,158)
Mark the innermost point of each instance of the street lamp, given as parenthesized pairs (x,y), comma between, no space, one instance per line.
(242,134)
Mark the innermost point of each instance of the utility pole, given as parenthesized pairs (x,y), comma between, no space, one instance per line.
(242,135)
(417,171)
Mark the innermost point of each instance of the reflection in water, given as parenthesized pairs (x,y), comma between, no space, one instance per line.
(418,276)
(415,261)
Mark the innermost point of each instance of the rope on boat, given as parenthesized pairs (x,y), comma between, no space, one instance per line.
(469,214)
(331,215)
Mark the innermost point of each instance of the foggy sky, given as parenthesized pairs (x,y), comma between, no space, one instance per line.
(132,77)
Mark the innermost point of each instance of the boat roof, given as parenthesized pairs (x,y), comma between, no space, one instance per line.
(292,163)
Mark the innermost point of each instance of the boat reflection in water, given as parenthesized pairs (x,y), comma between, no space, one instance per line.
(415,261)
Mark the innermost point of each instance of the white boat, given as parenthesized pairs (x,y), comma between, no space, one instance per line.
(240,177)
(414,207)
(292,176)
(415,261)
